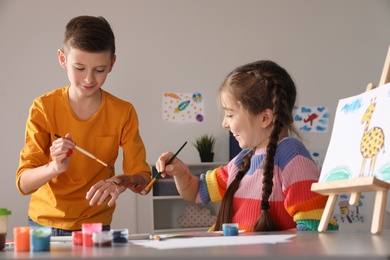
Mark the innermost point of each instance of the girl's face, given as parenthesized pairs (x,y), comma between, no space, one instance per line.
(87,71)
(249,130)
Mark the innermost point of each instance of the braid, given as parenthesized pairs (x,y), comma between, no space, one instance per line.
(225,213)
(265,221)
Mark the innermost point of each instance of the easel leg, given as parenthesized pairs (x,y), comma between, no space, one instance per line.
(379,211)
(354,199)
(328,211)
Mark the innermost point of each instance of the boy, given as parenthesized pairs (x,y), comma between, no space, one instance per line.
(67,187)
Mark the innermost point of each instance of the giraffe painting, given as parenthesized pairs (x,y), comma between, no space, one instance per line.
(373,141)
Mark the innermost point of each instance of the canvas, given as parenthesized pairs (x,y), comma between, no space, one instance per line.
(360,136)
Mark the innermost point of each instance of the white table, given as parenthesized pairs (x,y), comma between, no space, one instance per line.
(302,245)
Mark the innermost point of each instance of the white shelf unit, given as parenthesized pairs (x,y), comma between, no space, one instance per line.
(159,214)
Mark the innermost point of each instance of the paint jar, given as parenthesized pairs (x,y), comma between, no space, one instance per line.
(21,239)
(40,238)
(102,239)
(77,238)
(120,236)
(4,213)
(230,229)
(88,229)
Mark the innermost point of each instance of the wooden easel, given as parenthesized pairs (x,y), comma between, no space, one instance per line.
(358,185)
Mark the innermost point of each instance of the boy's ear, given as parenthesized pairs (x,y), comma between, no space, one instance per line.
(112,63)
(267,117)
(61,58)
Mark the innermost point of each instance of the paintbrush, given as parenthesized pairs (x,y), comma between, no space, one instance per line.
(89,154)
(147,188)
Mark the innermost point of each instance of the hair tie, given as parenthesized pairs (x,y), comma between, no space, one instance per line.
(265,205)
(239,175)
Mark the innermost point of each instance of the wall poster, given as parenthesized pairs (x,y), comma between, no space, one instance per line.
(311,119)
(182,107)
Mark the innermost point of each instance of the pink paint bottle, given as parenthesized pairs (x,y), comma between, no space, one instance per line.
(88,229)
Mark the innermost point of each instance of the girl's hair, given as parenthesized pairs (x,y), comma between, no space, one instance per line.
(89,33)
(258,86)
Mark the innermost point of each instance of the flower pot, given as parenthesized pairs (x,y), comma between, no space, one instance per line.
(206,157)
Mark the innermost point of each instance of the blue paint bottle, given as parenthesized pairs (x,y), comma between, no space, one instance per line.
(40,238)
(230,229)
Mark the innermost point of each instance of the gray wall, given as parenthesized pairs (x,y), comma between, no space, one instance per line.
(333,49)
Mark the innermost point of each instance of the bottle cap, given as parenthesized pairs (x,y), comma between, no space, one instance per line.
(4,211)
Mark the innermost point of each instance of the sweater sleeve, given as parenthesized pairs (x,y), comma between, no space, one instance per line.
(308,210)
(37,142)
(134,151)
(212,185)
(299,172)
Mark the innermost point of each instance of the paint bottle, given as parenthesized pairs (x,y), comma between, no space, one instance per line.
(77,238)
(120,236)
(88,229)
(21,239)
(40,238)
(230,229)
(4,213)
(102,239)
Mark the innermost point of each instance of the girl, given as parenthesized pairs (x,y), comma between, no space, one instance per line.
(266,187)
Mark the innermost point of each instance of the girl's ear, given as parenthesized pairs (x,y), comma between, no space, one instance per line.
(61,58)
(267,117)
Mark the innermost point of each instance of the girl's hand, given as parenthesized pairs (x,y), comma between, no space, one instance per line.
(176,168)
(187,185)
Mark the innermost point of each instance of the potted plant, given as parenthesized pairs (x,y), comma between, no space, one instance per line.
(205,145)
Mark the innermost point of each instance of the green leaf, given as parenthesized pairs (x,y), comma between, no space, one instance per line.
(204,143)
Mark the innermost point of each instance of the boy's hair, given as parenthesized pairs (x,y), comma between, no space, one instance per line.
(258,86)
(90,34)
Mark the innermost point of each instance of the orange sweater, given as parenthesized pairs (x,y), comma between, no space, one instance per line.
(61,202)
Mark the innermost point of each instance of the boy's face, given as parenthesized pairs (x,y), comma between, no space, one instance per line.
(87,71)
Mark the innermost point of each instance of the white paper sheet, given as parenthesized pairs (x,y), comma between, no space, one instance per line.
(176,243)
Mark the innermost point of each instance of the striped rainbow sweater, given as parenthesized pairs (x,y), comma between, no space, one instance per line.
(292,203)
